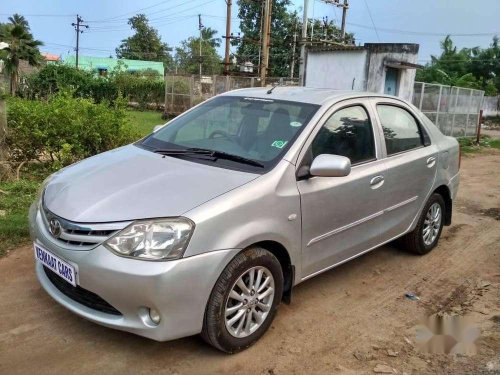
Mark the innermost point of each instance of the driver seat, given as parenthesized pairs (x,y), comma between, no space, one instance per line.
(248,131)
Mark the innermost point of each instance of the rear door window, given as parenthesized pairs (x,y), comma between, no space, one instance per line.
(401,130)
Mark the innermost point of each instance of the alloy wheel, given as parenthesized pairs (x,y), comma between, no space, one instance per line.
(432,224)
(249,302)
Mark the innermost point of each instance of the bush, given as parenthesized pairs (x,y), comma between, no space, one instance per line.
(64,129)
(14,203)
(53,78)
(144,88)
(141,89)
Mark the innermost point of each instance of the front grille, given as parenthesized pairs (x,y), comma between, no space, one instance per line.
(79,294)
(79,236)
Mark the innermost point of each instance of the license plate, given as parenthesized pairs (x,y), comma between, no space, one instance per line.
(56,264)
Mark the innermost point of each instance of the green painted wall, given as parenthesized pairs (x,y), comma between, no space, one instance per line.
(97,63)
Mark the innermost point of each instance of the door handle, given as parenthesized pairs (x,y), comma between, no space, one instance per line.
(431,161)
(377,182)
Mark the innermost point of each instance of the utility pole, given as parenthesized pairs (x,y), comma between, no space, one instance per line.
(266,32)
(303,44)
(325,27)
(292,68)
(200,27)
(344,16)
(79,24)
(228,37)
(345,7)
(3,121)
(259,65)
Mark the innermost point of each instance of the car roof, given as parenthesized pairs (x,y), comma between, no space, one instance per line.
(302,94)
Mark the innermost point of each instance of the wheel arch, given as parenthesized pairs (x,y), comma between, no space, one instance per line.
(281,253)
(444,191)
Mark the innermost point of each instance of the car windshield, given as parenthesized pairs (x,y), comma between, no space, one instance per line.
(256,129)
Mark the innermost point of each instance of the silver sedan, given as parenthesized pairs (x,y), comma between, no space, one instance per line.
(205,225)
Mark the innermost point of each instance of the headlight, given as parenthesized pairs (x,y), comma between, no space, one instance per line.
(41,189)
(159,239)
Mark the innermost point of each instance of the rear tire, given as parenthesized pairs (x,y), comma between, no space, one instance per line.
(236,317)
(426,234)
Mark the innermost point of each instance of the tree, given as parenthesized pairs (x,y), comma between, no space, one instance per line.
(284,24)
(17,19)
(145,44)
(281,41)
(22,46)
(187,57)
(474,68)
(485,66)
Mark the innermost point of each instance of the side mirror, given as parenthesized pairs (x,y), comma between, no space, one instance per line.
(158,127)
(326,165)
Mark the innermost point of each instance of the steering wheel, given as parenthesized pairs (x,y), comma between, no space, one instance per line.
(221,133)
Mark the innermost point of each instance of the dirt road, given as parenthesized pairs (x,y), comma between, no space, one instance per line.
(342,322)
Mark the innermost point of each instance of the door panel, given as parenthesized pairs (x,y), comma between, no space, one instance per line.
(408,182)
(341,216)
(411,167)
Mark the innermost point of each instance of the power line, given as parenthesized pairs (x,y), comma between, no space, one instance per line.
(409,32)
(152,20)
(371,18)
(172,21)
(40,15)
(131,12)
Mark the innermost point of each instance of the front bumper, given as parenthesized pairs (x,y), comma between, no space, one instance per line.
(178,289)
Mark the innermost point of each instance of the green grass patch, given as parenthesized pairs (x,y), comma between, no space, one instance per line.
(17,196)
(495,143)
(145,121)
(469,145)
(15,200)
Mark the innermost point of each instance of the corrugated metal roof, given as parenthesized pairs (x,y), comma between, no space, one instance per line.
(372,47)
(94,63)
(335,47)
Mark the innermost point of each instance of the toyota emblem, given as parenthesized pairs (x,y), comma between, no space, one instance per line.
(55,228)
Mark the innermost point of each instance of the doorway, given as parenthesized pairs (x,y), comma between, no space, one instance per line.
(391,81)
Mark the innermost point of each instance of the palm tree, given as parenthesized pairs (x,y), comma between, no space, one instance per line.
(17,19)
(22,46)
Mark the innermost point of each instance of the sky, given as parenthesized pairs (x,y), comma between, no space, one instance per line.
(426,22)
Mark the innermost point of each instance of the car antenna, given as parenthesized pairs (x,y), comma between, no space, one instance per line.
(270,91)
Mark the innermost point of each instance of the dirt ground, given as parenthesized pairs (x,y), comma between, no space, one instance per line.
(350,320)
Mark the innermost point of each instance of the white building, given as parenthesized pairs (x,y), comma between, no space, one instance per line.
(376,67)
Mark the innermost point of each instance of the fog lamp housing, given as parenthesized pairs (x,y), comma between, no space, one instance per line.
(155,316)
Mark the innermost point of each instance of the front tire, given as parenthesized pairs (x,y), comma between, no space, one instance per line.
(426,234)
(244,301)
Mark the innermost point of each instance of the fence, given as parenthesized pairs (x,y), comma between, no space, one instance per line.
(182,91)
(491,106)
(455,110)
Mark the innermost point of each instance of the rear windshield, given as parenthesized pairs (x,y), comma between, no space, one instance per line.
(253,128)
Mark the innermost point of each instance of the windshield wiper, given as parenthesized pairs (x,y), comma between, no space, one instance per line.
(182,151)
(211,153)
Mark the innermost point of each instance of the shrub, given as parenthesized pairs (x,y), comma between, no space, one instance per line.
(141,88)
(53,78)
(64,129)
